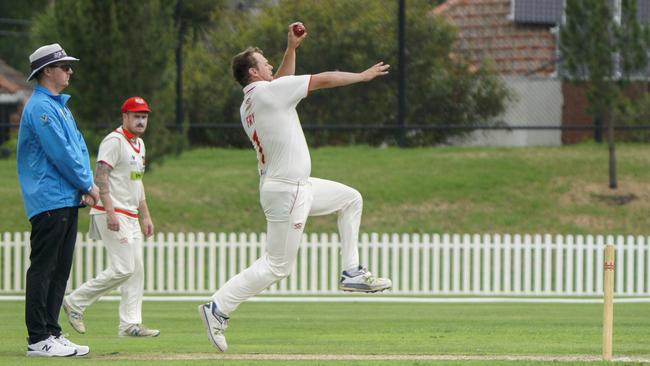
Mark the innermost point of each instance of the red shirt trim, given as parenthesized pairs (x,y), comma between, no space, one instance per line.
(103,161)
(128,136)
(118,210)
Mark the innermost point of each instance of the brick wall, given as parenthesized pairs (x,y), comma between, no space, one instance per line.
(574,112)
(486,32)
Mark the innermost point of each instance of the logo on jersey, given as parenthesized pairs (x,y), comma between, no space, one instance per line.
(297,226)
(44,118)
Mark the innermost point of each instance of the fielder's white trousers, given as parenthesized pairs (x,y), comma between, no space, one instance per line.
(286,207)
(125,269)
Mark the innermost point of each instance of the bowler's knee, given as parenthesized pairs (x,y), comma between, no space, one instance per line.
(280,270)
(356,197)
(355,200)
(123,273)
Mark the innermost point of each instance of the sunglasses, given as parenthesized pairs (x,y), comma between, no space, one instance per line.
(64,67)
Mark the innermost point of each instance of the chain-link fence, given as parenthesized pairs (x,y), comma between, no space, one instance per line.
(519,39)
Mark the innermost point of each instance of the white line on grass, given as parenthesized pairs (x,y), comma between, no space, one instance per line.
(381,299)
(334,357)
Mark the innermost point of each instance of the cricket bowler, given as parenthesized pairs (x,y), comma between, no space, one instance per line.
(288,194)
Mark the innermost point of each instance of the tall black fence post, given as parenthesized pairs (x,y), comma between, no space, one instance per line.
(179,65)
(401,76)
(598,129)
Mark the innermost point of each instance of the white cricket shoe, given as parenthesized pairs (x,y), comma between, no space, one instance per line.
(50,348)
(363,281)
(81,350)
(75,318)
(215,324)
(138,330)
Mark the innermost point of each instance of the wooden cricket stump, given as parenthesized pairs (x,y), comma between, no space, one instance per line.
(608,303)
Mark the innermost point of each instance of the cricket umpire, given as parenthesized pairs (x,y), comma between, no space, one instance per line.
(55,180)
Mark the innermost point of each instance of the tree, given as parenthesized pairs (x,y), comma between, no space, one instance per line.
(15,20)
(602,53)
(194,16)
(346,35)
(126,48)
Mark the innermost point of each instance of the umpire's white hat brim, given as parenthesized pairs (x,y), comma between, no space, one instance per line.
(47,55)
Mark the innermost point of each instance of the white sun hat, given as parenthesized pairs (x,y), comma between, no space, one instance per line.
(46,55)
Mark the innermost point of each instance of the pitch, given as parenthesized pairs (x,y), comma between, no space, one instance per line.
(353,334)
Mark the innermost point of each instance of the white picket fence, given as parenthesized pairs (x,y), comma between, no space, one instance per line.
(521,265)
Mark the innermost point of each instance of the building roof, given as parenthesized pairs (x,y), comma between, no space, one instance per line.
(12,81)
(538,11)
(550,11)
(487,31)
(643,11)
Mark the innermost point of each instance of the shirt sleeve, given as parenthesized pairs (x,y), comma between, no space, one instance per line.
(291,89)
(68,157)
(109,151)
(86,155)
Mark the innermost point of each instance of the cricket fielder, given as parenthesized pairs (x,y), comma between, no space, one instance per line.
(114,220)
(288,194)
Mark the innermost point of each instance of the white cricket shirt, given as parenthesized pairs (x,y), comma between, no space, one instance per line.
(268,114)
(125,180)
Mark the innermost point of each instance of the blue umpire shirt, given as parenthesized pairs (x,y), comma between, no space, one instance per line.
(53,162)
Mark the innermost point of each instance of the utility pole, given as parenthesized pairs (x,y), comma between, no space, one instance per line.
(613,184)
(401,75)
(179,65)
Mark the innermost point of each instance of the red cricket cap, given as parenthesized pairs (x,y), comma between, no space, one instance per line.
(135,104)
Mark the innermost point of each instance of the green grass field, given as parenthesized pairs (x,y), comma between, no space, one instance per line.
(436,190)
(333,330)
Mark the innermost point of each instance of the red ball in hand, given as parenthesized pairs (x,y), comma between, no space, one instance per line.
(298,29)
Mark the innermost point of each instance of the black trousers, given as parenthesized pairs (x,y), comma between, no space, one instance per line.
(53,238)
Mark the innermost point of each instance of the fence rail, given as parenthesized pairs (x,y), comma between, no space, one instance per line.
(458,264)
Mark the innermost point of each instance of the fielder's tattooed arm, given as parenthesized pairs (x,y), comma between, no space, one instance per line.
(101,180)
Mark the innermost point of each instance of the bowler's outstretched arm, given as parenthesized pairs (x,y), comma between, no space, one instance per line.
(332,79)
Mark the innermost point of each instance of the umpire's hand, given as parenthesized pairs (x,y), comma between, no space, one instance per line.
(87,200)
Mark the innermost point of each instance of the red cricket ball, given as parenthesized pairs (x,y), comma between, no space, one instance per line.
(298,29)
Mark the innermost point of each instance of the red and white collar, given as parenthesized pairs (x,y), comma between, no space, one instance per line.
(128,136)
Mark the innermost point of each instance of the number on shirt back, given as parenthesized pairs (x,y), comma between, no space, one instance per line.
(256,141)
(250,119)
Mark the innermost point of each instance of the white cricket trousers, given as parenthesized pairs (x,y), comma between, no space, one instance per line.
(286,207)
(125,269)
